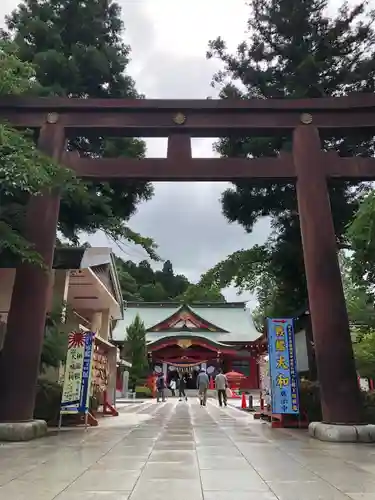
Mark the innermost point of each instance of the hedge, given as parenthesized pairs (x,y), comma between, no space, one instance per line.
(311,408)
(143,392)
(47,401)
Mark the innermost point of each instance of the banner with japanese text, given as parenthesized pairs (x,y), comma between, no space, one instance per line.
(77,379)
(283,366)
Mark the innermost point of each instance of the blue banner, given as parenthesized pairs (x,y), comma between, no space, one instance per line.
(86,373)
(283,366)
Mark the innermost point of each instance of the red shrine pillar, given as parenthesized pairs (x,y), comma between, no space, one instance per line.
(20,357)
(254,377)
(337,376)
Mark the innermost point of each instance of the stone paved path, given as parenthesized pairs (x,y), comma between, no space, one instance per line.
(179,451)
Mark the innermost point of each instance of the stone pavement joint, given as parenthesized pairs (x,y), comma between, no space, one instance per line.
(182,450)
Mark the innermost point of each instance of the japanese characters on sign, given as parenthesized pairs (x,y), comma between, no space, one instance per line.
(283,368)
(76,387)
(86,372)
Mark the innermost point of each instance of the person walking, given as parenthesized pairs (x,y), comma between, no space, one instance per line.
(182,386)
(172,387)
(202,385)
(221,384)
(160,387)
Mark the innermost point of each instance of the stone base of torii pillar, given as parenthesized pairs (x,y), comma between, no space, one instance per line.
(342,433)
(22,431)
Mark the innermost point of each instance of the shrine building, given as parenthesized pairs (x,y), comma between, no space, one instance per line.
(186,338)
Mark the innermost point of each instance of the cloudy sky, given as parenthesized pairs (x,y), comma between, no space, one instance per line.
(169,42)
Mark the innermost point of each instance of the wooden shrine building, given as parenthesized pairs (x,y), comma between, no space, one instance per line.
(186,338)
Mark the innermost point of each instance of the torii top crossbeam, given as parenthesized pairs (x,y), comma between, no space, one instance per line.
(198,118)
(180,120)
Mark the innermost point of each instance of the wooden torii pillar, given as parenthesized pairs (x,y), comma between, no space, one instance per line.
(308,166)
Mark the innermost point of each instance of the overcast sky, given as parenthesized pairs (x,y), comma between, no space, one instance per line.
(169,42)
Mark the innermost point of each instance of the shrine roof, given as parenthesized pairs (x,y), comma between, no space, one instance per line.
(226,322)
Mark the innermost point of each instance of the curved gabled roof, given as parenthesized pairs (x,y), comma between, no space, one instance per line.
(233,320)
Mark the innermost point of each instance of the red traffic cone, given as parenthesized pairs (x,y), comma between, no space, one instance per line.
(243,402)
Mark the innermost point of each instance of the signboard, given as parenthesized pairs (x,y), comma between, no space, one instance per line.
(283,367)
(77,379)
(364,384)
(264,378)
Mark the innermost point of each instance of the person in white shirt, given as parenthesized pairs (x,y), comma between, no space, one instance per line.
(221,384)
(202,385)
(173,387)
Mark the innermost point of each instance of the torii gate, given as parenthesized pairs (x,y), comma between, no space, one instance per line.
(179,120)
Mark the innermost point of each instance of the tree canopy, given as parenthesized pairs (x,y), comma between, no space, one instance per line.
(359,301)
(199,293)
(358,284)
(139,282)
(292,50)
(361,234)
(77,51)
(361,312)
(364,352)
(24,171)
(55,338)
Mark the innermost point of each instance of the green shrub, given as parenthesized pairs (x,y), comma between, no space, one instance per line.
(309,399)
(47,401)
(369,407)
(310,402)
(143,392)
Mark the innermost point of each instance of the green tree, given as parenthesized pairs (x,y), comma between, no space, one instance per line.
(55,342)
(77,50)
(129,286)
(174,284)
(141,282)
(361,234)
(134,349)
(24,171)
(360,305)
(259,270)
(364,352)
(198,293)
(153,292)
(168,268)
(359,299)
(177,286)
(293,50)
(144,273)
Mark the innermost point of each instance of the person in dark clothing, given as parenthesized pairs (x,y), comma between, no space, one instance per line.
(182,387)
(160,387)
